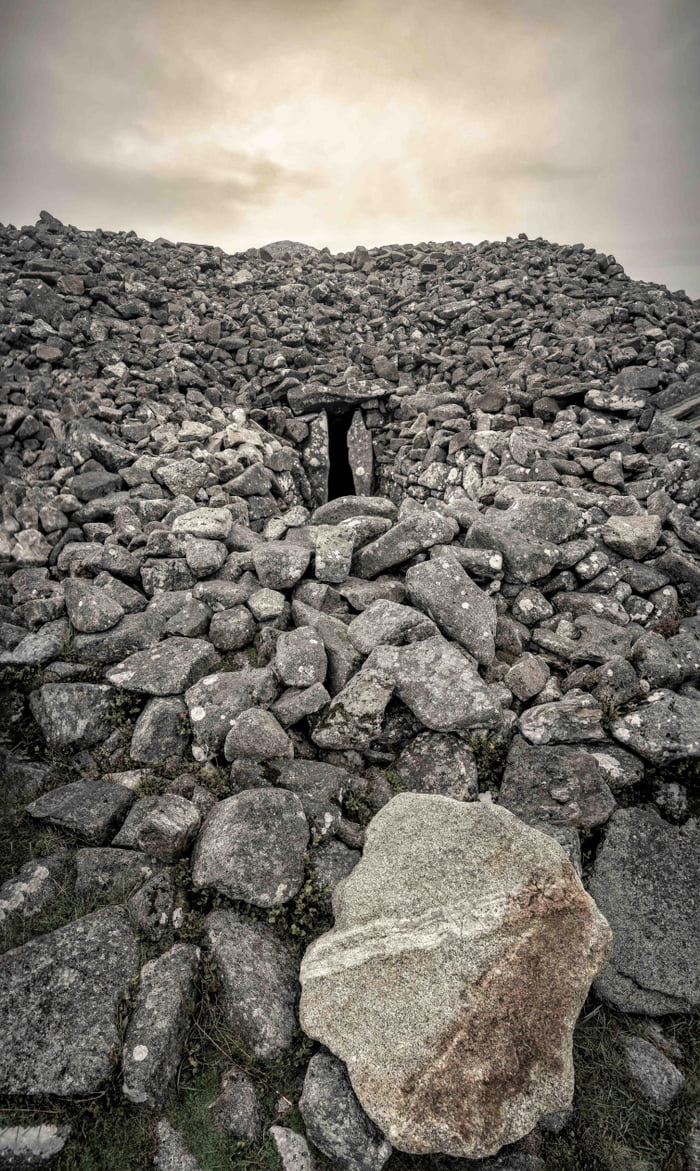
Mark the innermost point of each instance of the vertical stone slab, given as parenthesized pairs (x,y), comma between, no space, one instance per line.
(361,455)
(316,459)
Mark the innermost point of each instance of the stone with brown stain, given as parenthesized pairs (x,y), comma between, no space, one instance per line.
(463,949)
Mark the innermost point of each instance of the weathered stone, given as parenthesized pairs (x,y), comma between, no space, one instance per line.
(300,658)
(632,536)
(575,719)
(252,847)
(236,1110)
(564,786)
(159,731)
(211,524)
(435,763)
(232,629)
(666,727)
(292,1149)
(151,906)
(89,609)
(296,703)
(92,809)
(35,886)
(256,735)
(320,787)
(259,982)
(215,701)
(168,669)
(451,910)
(354,716)
(72,715)
(334,1120)
(334,546)
(40,647)
(172,1153)
(280,565)
(657,1078)
(410,536)
(527,677)
(163,826)
(157,1026)
(184,477)
(107,871)
(442,589)
(525,559)
(58,999)
(24,1148)
(645,881)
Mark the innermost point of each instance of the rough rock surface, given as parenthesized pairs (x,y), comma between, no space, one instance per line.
(172,422)
(58,999)
(455,911)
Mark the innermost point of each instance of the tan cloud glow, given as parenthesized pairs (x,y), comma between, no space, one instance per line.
(345,121)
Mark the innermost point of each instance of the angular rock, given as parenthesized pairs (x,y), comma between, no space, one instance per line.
(159,731)
(210,524)
(334,1120)
(252,846)
(215,701)
(354,717)
(666,727)
(89,609)
(384,622)
(172,1153)
(410,536)
(34,887)
(563,786)
(334,546)
(58,1000)
(255,734)
(300,658)
(92,809)
(440,764)
(292,1149)
(632,536)
(259,982)
(442,589)
(230,630)
(575,719)
(151,906)
(645,881)
(162,826)
(320,787)
(236,1110)
(72,715)
(157,1026)
(453,908)
(105,870)
(280,565)
(168,669)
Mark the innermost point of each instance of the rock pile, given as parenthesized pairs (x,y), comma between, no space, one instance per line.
(284,532)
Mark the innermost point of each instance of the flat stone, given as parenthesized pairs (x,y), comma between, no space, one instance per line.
(159,731)
(92,809)
(320,787)
(230,630)
(259,982)
(296,703)
(525,559)
(151,906)
(666,727)
(72,715)
(35,886)
(408,537)
(561,785)
(334,546)
(167,669)
(156,1030)
(105,870)
(134,632)
(645,881)
(252,847)
(452,908)
(184,477)
(354,716)
(58,1001)
(211,524)
(335,1122)
(442,589)
(441,764)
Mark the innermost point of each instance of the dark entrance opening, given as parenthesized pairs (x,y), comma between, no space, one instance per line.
(340,481)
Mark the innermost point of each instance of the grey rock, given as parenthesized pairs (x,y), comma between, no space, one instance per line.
(40,647)
(163,826)
(236,1111)
(252,846)
(574,719)
(259,982)
(280,565)
(92,809)
(666,727)
(384,622)
(442,764)
(35,886)
(232,629)
(343,659)
(72,715)
(334,1120)
(345,507)
(354,716)
(657,1078)
(151,906)
(334,546)
(525,559)
(296,703)
(442,589)
(561,785)
(300,658)
(321,788)
(333,861)
(645,881)
(210,524)
(172,1153)
(104,870)
(292,1149)
(527,676)
(204,557)
(134,632)
(256,735)
(184,477)
(58,1005)
(632,536)
(89,609)
(159,731)
(158,1024)
(265,605)
(168,669)
(214,702)
(407,537)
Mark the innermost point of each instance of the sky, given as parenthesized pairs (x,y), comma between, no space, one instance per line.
(344,122)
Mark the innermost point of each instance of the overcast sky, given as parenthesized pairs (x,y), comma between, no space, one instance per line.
(338,122)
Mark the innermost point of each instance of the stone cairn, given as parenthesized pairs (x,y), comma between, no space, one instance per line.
(411,530)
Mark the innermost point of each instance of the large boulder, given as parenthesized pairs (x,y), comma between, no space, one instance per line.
(463,948)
